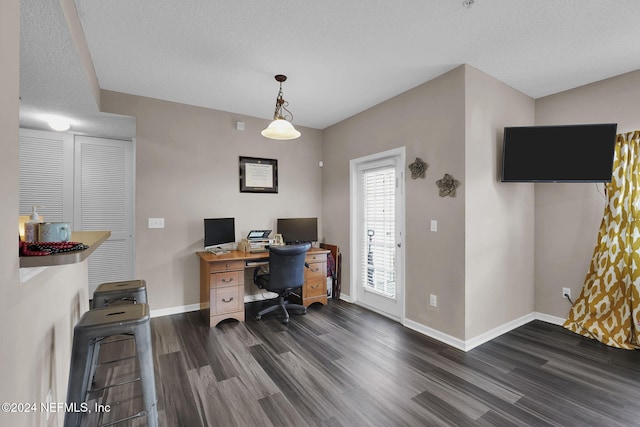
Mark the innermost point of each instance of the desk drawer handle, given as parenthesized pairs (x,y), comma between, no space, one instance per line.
(315,286)
(227,280)
(315,270)
(229,300)
(227,265)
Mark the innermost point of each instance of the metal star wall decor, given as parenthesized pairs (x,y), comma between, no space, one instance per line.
(447,185)
(418,168)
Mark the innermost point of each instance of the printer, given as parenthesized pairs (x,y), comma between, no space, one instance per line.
(256,241)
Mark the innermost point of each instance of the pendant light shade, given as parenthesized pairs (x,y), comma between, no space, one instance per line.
(281,127)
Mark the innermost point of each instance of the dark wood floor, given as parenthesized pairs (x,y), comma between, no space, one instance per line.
(341,365)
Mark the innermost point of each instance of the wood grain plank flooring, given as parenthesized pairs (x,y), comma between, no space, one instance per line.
(341,365)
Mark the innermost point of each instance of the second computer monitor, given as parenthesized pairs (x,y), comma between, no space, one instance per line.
(218,231)
(298,230)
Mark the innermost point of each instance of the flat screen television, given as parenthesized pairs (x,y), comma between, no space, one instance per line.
(570,153)
(298,230)
(218,231)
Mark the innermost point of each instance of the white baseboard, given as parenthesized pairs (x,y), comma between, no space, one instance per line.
(496,332)
(484,337)
(550,319)
(435,334)
(345,297)
(174,310)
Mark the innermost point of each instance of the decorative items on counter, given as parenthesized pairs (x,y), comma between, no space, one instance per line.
(54,232)
(32,228)
(49,248)
(29,229)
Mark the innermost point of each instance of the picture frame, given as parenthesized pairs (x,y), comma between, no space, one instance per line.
(278,241)
(258,175)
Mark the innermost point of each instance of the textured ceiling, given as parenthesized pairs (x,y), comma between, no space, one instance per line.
(341,57)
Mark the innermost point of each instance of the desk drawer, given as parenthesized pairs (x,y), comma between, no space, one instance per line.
(315,279)
(226,278)
(226,300)
(225,266)
(316,269)
(310,258)
(314,289)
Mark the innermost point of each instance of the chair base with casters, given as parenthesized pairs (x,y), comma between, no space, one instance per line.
(283,305)
(286,274)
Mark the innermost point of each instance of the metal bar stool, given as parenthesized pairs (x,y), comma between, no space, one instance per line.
(93,326)
(128,291)
(116,293)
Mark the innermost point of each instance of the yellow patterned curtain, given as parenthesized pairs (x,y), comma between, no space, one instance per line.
(608,308)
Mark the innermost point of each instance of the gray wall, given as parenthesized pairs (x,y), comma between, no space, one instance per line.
(429,121)
(9,287)
(499,217)
(187,170)
(484,243)
(38,315)
(568,216)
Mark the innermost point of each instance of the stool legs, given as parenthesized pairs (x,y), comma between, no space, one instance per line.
(145,357)
(95,325)
(81,358)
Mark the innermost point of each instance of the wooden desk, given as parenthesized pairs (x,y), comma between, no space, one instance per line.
(222,282)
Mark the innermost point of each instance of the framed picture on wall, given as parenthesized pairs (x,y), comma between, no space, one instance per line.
(258,175)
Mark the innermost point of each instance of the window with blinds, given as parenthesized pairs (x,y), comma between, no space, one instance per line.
(379,210)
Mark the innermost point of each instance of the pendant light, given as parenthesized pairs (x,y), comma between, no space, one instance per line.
(281,127)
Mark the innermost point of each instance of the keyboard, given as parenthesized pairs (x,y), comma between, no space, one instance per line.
(255,263)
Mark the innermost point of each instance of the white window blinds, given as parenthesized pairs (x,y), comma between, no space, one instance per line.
(379,209)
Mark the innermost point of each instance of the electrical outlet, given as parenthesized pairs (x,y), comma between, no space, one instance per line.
(433,300)
(566,292)
(156,222)
(434,225)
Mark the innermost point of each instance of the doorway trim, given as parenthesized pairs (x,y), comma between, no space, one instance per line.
(356,292)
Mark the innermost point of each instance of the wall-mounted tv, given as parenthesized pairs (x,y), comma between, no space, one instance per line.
(570,153)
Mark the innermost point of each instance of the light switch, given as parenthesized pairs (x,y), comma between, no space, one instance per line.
(156,222)
(434,225)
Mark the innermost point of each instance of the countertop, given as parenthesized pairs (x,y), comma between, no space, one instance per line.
(93,239)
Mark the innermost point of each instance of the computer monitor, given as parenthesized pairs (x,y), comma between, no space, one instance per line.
(298,230)
(218,231)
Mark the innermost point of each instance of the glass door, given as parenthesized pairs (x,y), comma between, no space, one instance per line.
(377,231)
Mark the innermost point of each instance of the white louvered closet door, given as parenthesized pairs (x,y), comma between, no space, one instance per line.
(46,174)
(104,201)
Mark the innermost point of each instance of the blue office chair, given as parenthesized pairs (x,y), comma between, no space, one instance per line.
(286,273)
